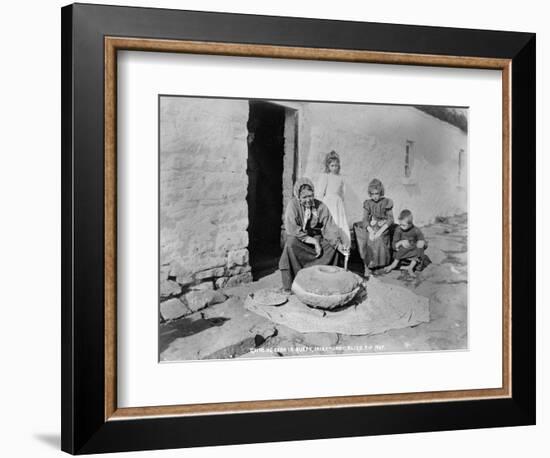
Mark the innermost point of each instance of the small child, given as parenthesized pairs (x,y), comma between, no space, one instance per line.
(373,236)
(408,244)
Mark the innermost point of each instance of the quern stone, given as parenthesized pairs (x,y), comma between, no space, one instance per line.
(325,287)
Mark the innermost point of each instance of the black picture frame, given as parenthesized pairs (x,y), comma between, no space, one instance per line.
(84,426)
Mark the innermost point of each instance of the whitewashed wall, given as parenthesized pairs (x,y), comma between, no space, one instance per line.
(371,139)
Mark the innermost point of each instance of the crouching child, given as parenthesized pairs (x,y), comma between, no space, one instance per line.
(408,244)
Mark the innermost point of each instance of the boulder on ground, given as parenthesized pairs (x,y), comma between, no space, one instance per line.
(198,300)
(173,309)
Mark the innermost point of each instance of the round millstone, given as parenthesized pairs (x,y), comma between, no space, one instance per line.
(325,287)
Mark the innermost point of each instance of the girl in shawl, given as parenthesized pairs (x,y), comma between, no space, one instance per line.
(330,190)
(373,238)
(312,237)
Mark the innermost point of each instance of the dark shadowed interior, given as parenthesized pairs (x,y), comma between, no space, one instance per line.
(265,169)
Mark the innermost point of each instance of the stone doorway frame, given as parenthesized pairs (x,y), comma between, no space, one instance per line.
(291,153)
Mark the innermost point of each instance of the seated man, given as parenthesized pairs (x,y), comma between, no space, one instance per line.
(312,235)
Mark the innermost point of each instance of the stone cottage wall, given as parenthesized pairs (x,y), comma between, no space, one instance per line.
(203,187)
(371,143)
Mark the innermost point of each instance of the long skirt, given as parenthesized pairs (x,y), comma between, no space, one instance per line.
(374,253)
(336,207)
(297,255)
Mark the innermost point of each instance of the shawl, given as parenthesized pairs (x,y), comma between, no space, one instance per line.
(299,220)
(309,213)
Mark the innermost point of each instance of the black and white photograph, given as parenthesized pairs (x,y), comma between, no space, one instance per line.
(297,228)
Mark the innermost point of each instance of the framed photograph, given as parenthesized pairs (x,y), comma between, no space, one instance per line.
(284,228)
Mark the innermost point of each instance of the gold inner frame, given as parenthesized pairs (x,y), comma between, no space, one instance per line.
(114,44)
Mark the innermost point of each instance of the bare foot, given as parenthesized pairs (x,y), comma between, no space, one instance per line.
(367,272)
(410,272)
(388,269)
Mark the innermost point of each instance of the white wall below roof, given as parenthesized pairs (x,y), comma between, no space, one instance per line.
(30,335)
(371,139)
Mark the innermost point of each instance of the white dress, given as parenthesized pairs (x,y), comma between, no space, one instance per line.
(330,190)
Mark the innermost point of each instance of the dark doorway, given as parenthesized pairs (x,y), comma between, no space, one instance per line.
(266,143)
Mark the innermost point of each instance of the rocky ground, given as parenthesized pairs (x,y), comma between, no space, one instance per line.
(225,329)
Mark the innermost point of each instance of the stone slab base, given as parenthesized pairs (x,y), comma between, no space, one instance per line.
(383,307)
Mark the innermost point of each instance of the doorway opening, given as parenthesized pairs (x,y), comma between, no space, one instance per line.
(270,169)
